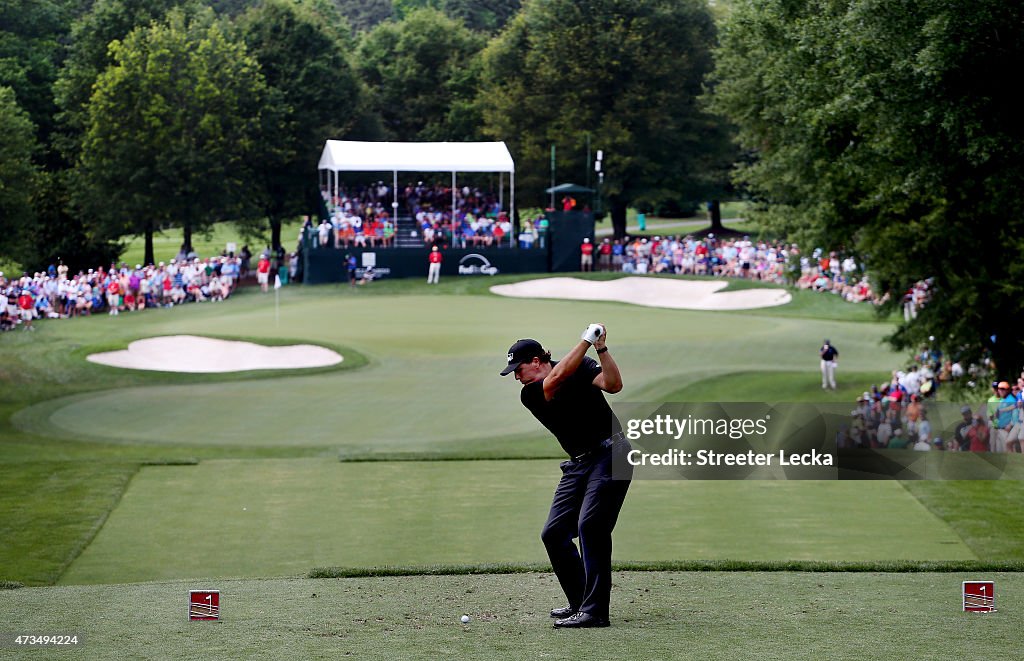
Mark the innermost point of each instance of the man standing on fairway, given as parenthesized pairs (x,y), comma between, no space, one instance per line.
(567,398)
(828,354)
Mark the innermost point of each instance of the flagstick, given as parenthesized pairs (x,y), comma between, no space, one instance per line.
(277,301)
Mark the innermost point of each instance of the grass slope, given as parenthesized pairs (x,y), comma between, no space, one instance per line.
(278,518)
(49,512)
(166,244)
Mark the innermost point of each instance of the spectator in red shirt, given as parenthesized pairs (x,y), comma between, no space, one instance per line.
(114,295)
(604,256)
(587,256)
(977,435)
(434,270)
(27,306)
(263,272)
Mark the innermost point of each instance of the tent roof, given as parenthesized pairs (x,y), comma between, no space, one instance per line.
(353,156)
(569,188)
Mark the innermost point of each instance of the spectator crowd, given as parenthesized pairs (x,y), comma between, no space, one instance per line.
(360,217)
(894,417)
(767,261)
(896,414)
(58,294)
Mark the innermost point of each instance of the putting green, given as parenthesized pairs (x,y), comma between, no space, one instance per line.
(432,381)
(284,517)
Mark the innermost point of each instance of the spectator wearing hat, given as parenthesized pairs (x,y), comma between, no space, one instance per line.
(962,428)
(26,306)
(434,266)
(884,431)
(1003,419)
(113,295)
(586,255)
(263,272)
(829,359)
(604,256)
(993,402)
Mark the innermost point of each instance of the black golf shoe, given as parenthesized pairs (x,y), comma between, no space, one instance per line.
(564,611)
(582,620)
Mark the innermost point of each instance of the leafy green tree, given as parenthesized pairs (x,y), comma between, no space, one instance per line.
(404,8)
(61,234)
(629,75)
(482,15)
(422,74)
(479,15)
(89,55)
(19,176)
(30,52)
(313,95)
(363,15)
(172,129)
(893,129)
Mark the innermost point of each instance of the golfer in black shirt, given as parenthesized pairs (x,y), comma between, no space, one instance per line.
(567,397)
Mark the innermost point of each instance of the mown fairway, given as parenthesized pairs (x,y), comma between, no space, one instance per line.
(432,383)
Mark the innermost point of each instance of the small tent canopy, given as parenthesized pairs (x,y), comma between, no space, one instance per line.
(568,188)
(353,156)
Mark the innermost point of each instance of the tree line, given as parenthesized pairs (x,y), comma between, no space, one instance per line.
(136,115)
(887,129)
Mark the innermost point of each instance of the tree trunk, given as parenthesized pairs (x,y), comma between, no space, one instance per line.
(186,243)
(715,216)
(149,258)
(275,234)
(618,217)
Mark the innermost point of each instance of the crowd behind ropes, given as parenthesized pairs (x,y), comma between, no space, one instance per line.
(895,414)
(768,261)
(59,294)
(360,218)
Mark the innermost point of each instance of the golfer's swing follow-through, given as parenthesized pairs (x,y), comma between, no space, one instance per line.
(567,397)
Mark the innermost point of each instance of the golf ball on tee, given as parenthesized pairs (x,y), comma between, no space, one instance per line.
(465,619)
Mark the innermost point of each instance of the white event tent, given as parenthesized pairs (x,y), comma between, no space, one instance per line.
(354,156)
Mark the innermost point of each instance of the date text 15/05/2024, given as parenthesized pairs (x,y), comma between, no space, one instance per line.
(712,458)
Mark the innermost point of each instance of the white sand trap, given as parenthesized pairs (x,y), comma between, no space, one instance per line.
(192,354)
(652,292)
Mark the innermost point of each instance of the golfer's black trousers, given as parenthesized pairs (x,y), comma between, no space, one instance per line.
(586,505)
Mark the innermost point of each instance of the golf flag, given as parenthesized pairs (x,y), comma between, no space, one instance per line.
(277,281)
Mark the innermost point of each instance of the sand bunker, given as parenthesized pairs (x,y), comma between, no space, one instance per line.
(652,292)
(192,354)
